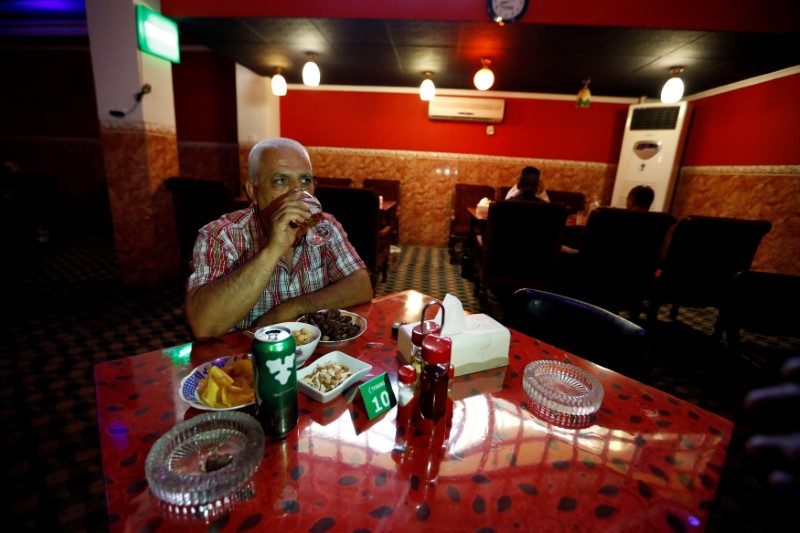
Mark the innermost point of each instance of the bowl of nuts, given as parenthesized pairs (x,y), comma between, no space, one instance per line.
(306,337)
(330,375)
(337,326)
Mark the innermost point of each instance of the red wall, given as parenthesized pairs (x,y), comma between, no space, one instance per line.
(204,88)
(756,125)
(546,129)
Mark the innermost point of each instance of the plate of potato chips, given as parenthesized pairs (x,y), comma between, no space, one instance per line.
(220,385)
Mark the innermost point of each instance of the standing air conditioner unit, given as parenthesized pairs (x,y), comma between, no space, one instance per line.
(488,110)
(652,147)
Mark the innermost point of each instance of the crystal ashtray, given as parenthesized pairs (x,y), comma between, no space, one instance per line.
(203,465)
(562,394)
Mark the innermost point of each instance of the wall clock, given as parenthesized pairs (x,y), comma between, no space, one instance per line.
(505,11)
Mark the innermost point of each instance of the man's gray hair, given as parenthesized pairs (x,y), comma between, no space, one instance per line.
(254,159)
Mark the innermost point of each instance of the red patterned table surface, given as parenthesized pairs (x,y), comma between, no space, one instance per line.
(650,462)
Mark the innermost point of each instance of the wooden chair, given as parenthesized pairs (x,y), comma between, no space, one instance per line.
(618,258)
(520,248)
(390,190)
(703,255)
(575,201)
(465,195)
(358,212)
(196,202)
(332,182)
(582,329)
(764,303)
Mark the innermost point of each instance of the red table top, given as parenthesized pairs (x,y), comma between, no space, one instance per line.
(649,462)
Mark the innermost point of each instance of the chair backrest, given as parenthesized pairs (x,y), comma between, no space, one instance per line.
(522,244)
(358,212)
(501,192)
(702,256)
(468,195)
(332,182)
(619,257)
(196,202)
(389,189)
(575,201)
(762,302)
(581,329)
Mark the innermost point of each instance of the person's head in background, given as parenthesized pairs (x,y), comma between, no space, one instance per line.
(640,197)
(529,180)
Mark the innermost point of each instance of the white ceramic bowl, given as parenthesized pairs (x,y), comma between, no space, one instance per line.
(304,351)
(359,368)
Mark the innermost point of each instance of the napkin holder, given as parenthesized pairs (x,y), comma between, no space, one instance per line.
(482,209)
(482,345)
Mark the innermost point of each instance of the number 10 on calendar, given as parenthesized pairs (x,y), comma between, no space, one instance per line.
(378,395)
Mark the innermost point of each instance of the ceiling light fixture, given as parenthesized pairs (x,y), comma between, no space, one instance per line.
(278,83)
(584,95)
(673,89)
(311,71)
(484,78)
(427,90)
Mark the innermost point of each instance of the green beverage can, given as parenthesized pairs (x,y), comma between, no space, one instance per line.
(275,377)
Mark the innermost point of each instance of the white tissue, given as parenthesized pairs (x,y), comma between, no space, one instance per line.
(482,209)
(454,320)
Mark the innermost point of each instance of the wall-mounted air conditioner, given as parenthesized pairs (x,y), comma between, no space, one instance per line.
(652,146)
(488,110)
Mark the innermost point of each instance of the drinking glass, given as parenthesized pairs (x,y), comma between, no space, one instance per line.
(319,230)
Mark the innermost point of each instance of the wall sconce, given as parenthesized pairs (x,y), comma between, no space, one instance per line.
(427,90)
(138,97)
(311,71)
(673,89)
(484,78)
(584,95)
(278,83)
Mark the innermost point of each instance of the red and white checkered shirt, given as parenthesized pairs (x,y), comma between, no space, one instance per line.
(226,244)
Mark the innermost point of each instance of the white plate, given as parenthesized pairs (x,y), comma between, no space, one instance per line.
(188,388)
(357,319)
(359,368)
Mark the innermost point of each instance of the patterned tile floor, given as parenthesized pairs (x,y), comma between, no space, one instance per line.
(65,311)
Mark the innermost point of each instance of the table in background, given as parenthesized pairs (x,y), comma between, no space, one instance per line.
(650,461)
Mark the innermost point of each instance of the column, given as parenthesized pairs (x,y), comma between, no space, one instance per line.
(140,149)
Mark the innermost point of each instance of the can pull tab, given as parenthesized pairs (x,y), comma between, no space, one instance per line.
(425,309)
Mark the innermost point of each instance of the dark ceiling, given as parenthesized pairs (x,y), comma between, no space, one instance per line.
(626,62)
(531,58)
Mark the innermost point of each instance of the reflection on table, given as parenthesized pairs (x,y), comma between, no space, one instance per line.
(649,462)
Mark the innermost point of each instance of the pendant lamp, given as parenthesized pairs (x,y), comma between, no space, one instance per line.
(311,71)
(584,95)
(673,89)
(484,78)
(278,83)
(427,90)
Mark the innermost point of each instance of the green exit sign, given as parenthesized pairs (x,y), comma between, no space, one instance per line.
(157,34)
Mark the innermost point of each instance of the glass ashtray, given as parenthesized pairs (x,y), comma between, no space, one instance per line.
(201,466)
(562,394)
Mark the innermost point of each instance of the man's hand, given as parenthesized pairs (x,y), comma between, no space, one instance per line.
(280,219)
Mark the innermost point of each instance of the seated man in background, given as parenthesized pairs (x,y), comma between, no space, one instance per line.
(640,198)
(253,267)
(529,186)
